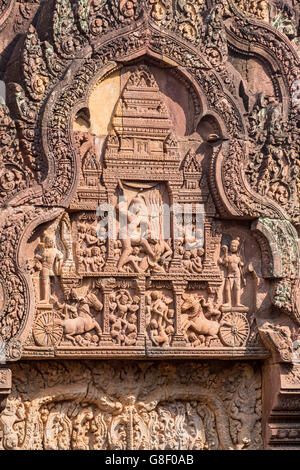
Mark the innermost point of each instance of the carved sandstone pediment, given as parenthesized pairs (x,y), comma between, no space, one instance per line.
(147,101)
(149,193)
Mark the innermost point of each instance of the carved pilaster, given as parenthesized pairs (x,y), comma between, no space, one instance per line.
(110,265)
(178,289)
(212,235)
(281,402)
(107,286)
(175,223)
(141,287)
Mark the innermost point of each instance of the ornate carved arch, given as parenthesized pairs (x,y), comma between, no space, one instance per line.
(42,103)
(238,162)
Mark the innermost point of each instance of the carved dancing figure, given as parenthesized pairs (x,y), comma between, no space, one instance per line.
(123,318)
(137,215)
(161,318)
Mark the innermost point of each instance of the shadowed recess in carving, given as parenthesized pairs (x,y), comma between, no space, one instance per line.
(161,406)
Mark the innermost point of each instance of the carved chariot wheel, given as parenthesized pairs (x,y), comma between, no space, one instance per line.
(47,331)
(234,330)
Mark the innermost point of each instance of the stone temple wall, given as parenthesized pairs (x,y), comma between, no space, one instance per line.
(178,405)
(149,224)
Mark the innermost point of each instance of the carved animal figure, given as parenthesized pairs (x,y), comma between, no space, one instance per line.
(84,322)
(195,320)
(79,326)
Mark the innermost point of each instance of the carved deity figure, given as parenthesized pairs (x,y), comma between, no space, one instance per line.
(51,262)
(137,216)
(123,318)
(158,11)
(13,413)
(77,319)
(91,249)
(191,248)
(234,279)
(127,7)
(9,180)
(160,318)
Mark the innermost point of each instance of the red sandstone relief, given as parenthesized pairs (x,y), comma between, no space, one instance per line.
(190,289)
(149,184)
(96,406)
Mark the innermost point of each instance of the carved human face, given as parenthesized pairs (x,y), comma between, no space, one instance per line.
(49,243)
(234,246)
(123,299)
(138,207)
(9,176)
(156,295)
(188,31)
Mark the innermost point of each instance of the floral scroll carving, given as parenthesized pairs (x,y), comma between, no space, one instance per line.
(119,409)
(182,127)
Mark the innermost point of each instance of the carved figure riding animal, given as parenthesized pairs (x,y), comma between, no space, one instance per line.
(193,319)
(83,321)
